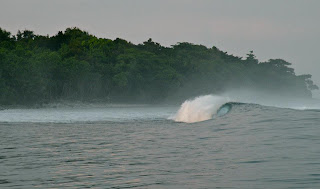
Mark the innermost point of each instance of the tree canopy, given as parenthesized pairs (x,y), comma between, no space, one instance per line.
(75,65)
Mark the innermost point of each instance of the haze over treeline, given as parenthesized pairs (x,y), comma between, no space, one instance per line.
(75,65)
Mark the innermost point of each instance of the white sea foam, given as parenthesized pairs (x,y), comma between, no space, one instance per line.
(89,113)
(199,109)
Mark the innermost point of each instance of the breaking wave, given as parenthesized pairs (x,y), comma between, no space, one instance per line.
(202,108)
(207,107)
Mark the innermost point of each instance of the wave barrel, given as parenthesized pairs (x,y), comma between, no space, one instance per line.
(201,108)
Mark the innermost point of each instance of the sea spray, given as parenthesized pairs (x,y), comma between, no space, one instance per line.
(199,109)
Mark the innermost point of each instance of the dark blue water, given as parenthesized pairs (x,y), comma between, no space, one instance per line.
(252,146)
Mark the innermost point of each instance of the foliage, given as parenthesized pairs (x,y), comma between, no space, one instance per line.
(75,65)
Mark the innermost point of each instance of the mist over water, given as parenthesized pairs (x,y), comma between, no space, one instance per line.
(87,114)
(266,98)
(194,110)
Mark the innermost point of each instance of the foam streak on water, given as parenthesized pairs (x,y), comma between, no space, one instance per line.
(85,114)
(199,109)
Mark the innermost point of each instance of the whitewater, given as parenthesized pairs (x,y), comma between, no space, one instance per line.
(200,109)
(206,107)
(211,141)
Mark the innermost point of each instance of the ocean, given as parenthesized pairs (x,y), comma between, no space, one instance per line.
(195,145)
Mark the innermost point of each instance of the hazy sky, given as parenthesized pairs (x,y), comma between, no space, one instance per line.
(287,29)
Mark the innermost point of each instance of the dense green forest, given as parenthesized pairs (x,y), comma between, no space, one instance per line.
(75,65)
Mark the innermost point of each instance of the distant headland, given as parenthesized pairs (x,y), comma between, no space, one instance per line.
(75,65)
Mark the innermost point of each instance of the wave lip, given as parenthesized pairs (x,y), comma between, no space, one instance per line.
(201,108)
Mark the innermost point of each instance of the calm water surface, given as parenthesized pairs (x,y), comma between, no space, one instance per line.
(138,147)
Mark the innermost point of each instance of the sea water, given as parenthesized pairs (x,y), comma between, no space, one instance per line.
(143,146)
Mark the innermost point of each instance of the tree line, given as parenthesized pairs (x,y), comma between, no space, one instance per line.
(75,65)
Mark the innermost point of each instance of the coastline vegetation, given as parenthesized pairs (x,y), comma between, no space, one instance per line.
(75,65)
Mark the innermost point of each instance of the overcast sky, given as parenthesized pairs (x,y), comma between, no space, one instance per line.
(287,29)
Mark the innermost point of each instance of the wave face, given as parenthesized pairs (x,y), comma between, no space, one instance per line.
(207,107)
(201,108)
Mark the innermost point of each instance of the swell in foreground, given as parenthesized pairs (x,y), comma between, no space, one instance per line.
(137,147)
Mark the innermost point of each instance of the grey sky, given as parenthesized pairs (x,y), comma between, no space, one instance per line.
(287,29)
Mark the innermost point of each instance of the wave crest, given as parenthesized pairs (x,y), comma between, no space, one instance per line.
(201,108)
